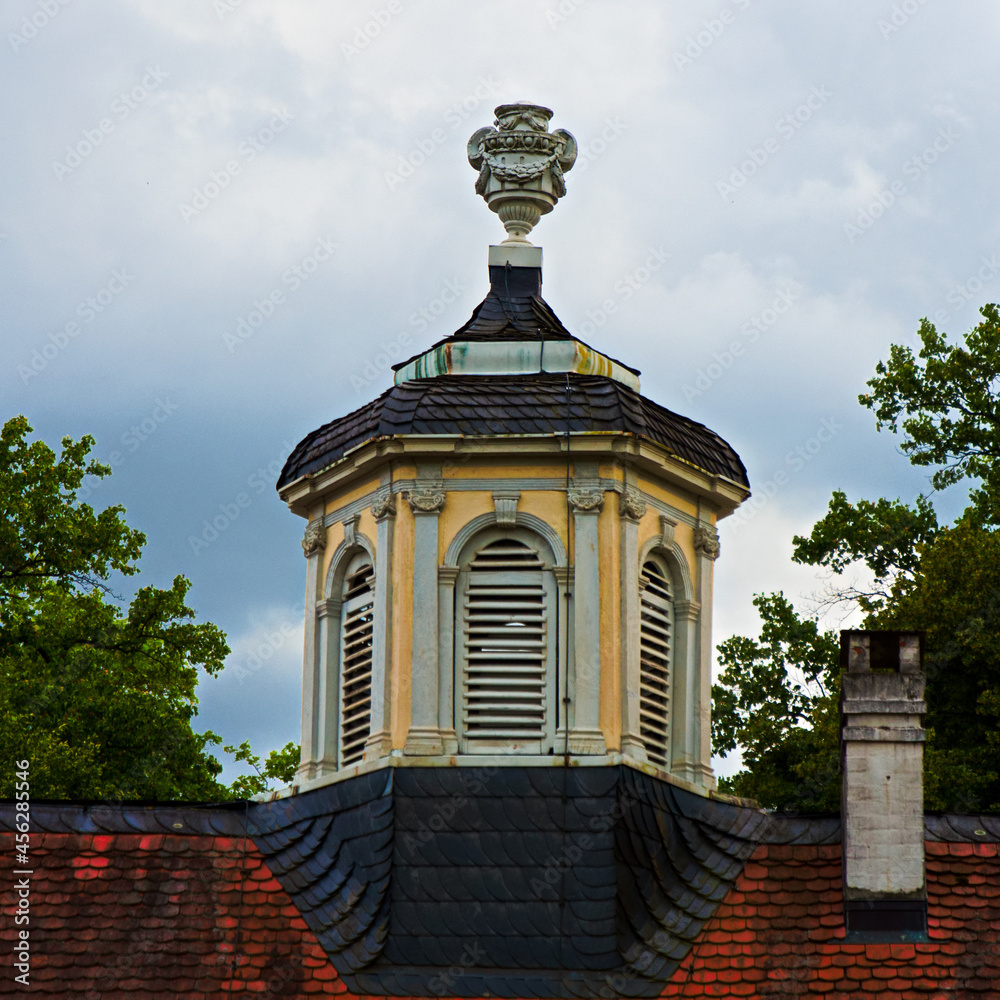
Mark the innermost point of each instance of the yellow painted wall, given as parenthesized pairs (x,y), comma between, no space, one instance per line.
(460,507)
(550,506)
(667,495)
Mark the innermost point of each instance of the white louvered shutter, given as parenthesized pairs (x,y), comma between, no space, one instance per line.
(655,639)
(506,619)
(356,625)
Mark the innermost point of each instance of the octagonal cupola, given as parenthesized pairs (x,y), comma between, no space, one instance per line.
(510,551)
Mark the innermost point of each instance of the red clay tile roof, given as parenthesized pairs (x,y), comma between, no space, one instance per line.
(123,908)
(159,916)
(780,932)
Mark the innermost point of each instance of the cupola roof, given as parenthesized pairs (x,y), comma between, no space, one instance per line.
(503,405)
(513,369)
(513,331)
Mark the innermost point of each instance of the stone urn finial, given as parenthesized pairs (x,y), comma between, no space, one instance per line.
(521,166)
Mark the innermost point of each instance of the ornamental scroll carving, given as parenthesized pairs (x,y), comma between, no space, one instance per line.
(586,501)
(631,505)
(314,539)
(706,541)
(384,506)
(426,501)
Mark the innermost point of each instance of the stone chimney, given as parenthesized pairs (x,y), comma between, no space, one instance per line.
(882,744)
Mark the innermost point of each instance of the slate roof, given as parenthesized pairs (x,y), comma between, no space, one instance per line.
(489,882)
(542,404)
(512,310)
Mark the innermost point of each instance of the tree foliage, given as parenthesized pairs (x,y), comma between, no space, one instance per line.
(944,580)
(946,403)
(777,699)
(99,698)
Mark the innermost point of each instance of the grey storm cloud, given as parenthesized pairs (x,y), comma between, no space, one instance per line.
(222,222)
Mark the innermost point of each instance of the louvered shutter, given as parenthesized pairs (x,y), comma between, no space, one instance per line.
(655,639)
(356,625)
(507,651)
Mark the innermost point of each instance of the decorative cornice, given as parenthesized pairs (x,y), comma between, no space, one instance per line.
(314,539)
(631,505)
(384,506)
(524,484)
(447,575)
(586,501)
(706,541)
(426,501)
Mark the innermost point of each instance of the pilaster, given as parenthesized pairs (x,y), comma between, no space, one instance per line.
(426,502)
(313,545)
(379,741)
(631,509)
(585,736)
(698,707)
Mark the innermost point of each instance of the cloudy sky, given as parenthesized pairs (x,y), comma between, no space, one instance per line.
(222,219)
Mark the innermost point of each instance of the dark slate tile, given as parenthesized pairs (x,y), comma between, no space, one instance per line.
(510,405)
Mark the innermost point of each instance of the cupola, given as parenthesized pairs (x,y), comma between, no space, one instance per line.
(510,552)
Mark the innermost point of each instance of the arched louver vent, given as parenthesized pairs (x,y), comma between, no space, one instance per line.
(507,655)
(655,636)
(356,625)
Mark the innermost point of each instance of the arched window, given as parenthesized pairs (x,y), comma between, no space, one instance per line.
(356,628)
(655,647)
(506,650)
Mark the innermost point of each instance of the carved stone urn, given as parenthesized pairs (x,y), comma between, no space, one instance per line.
(521,166)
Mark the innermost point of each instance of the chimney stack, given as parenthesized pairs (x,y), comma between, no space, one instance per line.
(882,743)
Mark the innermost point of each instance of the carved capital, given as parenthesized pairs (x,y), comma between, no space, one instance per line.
(505,502)
(426,501)
(706,541)
(631,505)
(586,501)
(329,608)
(687,611)
(314,539)
(384,506)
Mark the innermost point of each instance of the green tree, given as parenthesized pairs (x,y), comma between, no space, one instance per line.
(777,700)
(944,580)
(946,403)
(98,698)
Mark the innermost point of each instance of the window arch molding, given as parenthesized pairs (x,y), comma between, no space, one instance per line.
(468,540)
(671,555)
(535,526)
(322,717)
(342,555)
